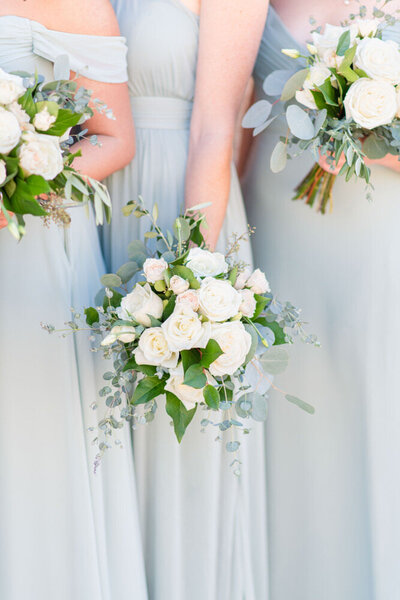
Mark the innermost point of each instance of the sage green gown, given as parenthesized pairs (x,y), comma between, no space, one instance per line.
(65,533)
(333,478)
(204,529)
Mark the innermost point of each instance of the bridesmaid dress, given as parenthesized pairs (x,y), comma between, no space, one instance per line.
(204,528)
(333,479)
(64,533)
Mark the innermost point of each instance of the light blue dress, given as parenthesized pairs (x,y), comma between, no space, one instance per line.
(64,533)
(333,479)
(204,529)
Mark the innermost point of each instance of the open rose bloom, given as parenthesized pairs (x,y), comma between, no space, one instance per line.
(347,102)
(189,330)
(36,176)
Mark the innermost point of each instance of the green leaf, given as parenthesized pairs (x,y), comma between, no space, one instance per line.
(233,275)
(114,301)
(278,158)
(280,336)
(348,59)
(160,286)
(153,321)
(375,147)
(211,397)
(275,360)
(92,316)
(186,274)
(132,365)
(294,83)
(181,417)
(321,104)
(27,103)
(211,353)
(195,377)
(111,280)
(189,358)
(343,43)
(261,303)
(23,200)
(169,308)
(65,119)
(52,107)
(147,389)
(301,404)
(127,271)
(329,92)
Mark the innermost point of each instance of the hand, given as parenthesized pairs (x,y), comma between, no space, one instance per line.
(332,168)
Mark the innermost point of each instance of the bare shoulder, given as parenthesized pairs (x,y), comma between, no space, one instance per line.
(88,17)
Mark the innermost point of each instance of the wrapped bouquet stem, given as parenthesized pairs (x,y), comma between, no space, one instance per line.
(342,105)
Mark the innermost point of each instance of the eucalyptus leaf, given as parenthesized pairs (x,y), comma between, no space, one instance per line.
(181,229)
(275,82)
(294,83)
(275,360)
(278,158)
(375,147)
(232,446)
(257,114)
(111,280)
(299,122)
(259,408)
(320,120)
(300,403)
(343,43)
(264,126)
(127,271)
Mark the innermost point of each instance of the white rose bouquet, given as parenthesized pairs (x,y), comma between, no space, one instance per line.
(36,176)
(200,330)
(349,92)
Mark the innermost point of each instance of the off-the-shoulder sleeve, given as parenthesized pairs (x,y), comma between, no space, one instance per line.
(102,58)
(392,33)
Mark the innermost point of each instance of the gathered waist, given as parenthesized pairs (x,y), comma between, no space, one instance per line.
(152,112)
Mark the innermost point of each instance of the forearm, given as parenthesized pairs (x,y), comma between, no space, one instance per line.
(208,179)
(389,161)
(100,161)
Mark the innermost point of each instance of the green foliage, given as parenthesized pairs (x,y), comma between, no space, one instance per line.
(300,403)
(92,316)
(211,397)
(181,417)
(211,352)
(195,377)
(111,280)
(147,389)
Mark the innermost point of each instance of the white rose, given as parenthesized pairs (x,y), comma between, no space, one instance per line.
(371,103)
(184,330)
(379,59)
(153,350)
(258,283)
(330,38)
(367,27)
(242,279)
(10,131)
(331,59)
(41,155)
(43,120)
(123,333)
(3,172)
(188,395)
(235,342)
(178,285)
(398,101)
(206,264)
(21,116)
(218,299)
(317,74)
(190,297)
(248,305)
(11,87)
(141,303)
(154,269)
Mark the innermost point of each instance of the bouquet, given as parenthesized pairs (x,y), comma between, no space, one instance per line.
(201,331)
(350,88)
(36,176)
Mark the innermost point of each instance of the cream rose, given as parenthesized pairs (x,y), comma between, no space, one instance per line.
(153,350)
(379,59)
(371,103)
(178,285)
(21,116)
(10,131)
(123,333)
(206,264)
(367,27)
(43,120)
(41,155)
(188,395)
(328,40)
(258,283)
(235,342)
(317,74)
(398,101)
(3,172)
(190,297)
(248,305)
(141,303)
(306,98)
(242,279)
(184,330)
(154,269)
(218,299)
(11,87)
